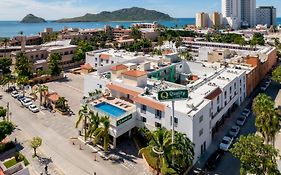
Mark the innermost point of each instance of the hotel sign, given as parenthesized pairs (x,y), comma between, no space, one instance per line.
(172,95)
(123,120)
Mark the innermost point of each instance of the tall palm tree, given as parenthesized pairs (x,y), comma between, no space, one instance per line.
(94,121)
(22,81)
(160,141)
(103,133)
(267,119)
(42,89)
(83,115)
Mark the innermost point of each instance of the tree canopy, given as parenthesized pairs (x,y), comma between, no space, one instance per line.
(54,64)
(5,64)
(23,65)
(255,156)
(35,143)
(6,128)
(83,47)
(267,119)
(276,74)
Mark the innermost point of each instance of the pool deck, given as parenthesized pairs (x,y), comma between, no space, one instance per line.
(119,103)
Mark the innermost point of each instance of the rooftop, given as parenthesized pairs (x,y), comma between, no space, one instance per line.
(135,73)
(119,67)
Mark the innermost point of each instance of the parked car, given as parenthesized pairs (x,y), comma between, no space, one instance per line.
(214,159)
(20,97)
(241,121)
(33,108)
(246,113)
(234,131)
(26,102)
(11,89)
(15,94)
(226,143)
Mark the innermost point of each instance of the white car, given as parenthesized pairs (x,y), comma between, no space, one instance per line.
(226,143)
(15,94)
(246,113)
(234,131)
(26,102)
(33,108)
(241,121)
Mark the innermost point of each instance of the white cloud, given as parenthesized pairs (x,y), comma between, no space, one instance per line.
(17,9)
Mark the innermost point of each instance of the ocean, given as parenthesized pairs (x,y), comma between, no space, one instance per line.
(12,28)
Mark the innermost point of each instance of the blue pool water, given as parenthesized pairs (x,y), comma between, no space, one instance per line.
(110,109)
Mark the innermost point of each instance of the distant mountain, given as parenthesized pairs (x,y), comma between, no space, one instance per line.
(126,14)
(30,18)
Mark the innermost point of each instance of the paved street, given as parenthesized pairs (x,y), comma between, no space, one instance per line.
(56,131)
(229,163)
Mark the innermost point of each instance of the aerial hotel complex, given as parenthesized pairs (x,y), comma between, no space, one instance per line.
(133,80)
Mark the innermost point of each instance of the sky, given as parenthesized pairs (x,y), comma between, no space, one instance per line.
(57,9)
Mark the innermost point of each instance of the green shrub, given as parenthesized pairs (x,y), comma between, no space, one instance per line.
(7,146)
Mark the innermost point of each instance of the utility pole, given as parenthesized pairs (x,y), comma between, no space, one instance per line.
(8,111)
(173,126)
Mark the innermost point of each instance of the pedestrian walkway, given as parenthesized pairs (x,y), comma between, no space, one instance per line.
(37,164)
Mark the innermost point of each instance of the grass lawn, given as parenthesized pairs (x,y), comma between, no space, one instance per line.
(13,161)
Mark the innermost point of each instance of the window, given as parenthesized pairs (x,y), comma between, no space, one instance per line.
(176,121)
(100,86)
(230,90)
(112,62)
(201,132)
(225,94)
(96,65)
(234,85)
(143,109)
(218,100)
(96,59)
(107,61)
(158,114)
(220,53)
(143,119)
(225,103)
(218,109)
(157,125)
(201,118)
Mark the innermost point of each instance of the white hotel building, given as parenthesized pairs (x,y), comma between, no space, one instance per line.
(213,94)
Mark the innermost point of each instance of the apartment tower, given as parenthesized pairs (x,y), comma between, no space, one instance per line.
(266,15)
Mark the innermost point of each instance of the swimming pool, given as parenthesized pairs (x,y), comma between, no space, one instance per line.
(110,109)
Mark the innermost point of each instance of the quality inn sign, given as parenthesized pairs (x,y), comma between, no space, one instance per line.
(172,95)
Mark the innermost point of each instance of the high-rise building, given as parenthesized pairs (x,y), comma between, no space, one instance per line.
(231,8)
(215,19)
(202,20)
(231,13)
(239,13)
(248,13)
(266,15)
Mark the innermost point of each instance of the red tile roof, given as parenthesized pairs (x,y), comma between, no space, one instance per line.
(104,56)
(119,67)
(167,52)
(123,90)
(134,73)
(214,94)
(86,66)
(53,97)
(150,103)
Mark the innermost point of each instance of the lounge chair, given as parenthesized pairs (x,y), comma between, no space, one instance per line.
(117,102)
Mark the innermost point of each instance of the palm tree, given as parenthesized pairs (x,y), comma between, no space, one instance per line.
(160,142)
(42,89)
(103,133)
(94,121)
(61,104)
(7,79)
(183,151)
(22,81)
(83,114)
(267,119)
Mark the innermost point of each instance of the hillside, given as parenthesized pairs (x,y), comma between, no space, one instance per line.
(126,14)
(30,18)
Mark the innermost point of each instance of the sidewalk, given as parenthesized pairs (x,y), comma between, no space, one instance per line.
(37,164)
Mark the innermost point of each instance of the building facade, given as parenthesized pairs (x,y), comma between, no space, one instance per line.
(266,15)
(202,20)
